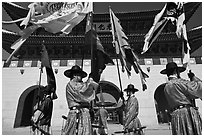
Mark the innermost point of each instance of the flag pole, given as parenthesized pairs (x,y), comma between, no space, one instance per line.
(116,53)
(39,83)
(119,77)
(187,64)
(94,68)
(92,47)
(82,60)
(101,95)
(93,63)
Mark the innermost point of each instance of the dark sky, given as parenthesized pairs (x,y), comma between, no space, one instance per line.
(103,7)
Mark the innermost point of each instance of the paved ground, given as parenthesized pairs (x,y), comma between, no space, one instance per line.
(151,130)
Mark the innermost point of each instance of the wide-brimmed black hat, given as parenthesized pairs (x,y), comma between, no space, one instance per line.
(131,87)
(172,66)
(75,70)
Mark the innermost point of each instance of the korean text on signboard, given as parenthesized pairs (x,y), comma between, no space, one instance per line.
(103,27)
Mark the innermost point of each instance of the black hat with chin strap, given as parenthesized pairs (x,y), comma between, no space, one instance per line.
(172,66)
(130,88)
(75,70)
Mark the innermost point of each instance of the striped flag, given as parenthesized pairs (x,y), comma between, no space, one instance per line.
(127,57)
(174,12)
(181,33)
(152,35)
(17,44)
(161,19)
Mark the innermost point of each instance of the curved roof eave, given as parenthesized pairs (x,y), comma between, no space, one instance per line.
(15,5)
(7,31)
(196,28)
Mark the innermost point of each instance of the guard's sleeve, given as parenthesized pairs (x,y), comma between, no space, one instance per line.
(93,83)
(192,88)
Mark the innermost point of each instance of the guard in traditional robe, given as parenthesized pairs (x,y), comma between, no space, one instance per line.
(43,112)
(79,95)
(180,93)
(41,118)
(131,121)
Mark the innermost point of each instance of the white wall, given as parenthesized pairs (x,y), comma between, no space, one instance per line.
(14,83)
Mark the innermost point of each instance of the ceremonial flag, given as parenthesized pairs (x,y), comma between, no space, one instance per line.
(31,14)
(127,57)
(17,44)
(55,17)
(167,13)
(181,33)
(45,62)
(185,47)
(155,30)
(173,11)
(59,16)
(100,58)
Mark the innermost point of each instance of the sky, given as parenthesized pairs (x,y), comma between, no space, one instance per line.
(103,7)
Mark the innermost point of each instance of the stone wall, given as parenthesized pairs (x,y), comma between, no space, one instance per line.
(14,83)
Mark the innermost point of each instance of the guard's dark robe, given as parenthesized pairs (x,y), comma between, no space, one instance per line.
(178,91)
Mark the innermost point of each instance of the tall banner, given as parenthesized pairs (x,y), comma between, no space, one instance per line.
(17,44)
(45,62)
(181,33)
(54,17)
(127,57)
(99,57)
(58,16)
(174,12)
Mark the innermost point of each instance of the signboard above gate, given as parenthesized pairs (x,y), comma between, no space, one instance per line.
(103,27)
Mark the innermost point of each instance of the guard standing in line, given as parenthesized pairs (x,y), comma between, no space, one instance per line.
(185,118)
(43,114)
(79,95)
(41,119)
(131,121)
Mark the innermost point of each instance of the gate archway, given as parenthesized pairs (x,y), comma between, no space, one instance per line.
(25,106)
(162,107)
(110,91)
(112,99)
